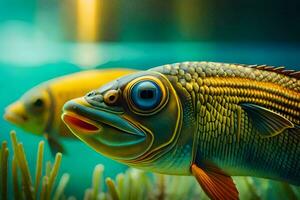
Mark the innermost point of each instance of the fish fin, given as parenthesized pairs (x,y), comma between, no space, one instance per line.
(267,122)
(54,145)
(217,186)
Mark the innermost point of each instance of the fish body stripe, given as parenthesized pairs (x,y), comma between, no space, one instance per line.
(52,105)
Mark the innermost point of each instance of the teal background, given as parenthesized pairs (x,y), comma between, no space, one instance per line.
(37,43)
(80,160)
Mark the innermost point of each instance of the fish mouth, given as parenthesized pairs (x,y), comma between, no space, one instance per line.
(13,118)
(80,123)
(14,114)
(80,114)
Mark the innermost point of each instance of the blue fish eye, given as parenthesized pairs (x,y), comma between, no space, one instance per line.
(146,95)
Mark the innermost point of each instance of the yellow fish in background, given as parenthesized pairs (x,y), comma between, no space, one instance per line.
(38,111)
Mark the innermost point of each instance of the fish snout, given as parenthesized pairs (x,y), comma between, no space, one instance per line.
(73,105)
(15,113)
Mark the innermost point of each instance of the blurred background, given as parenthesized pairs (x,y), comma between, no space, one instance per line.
(89,33)
(43,39)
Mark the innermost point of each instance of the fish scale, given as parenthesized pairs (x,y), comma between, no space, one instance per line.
(209,120)
(219,89)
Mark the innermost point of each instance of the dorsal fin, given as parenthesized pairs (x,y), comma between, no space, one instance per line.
(279,70)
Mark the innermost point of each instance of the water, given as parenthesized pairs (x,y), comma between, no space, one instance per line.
(17,77)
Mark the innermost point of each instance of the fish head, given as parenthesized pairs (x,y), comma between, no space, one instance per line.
(31,111)
(129,119)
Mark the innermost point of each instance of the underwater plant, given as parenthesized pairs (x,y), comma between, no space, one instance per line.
(133,184)
(138,184)
(23,186)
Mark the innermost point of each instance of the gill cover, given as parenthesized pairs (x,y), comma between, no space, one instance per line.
(138,116)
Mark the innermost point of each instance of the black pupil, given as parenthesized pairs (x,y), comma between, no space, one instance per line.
(112,97)
(147,94)
(38,103)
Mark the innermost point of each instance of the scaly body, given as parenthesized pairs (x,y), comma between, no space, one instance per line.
(224,134)
(212,120)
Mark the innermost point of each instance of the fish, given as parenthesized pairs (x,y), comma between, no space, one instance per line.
(204,119)
(38,111)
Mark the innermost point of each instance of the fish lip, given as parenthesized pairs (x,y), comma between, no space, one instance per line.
(13,118)
(97,116)
(67,117)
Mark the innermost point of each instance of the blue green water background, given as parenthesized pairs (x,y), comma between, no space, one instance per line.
(17,78)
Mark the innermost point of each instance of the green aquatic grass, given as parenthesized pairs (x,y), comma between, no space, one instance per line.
(112,189)
(132,184)
(97,177)
(23,186)
(61,186)
(4,170)
(39,165)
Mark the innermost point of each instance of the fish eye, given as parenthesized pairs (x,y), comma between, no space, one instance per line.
(38,103)
(146,95)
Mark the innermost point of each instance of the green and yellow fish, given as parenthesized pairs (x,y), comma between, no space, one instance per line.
(38,111)
(210,120)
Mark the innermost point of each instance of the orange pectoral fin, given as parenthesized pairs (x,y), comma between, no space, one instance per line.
(217,186)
